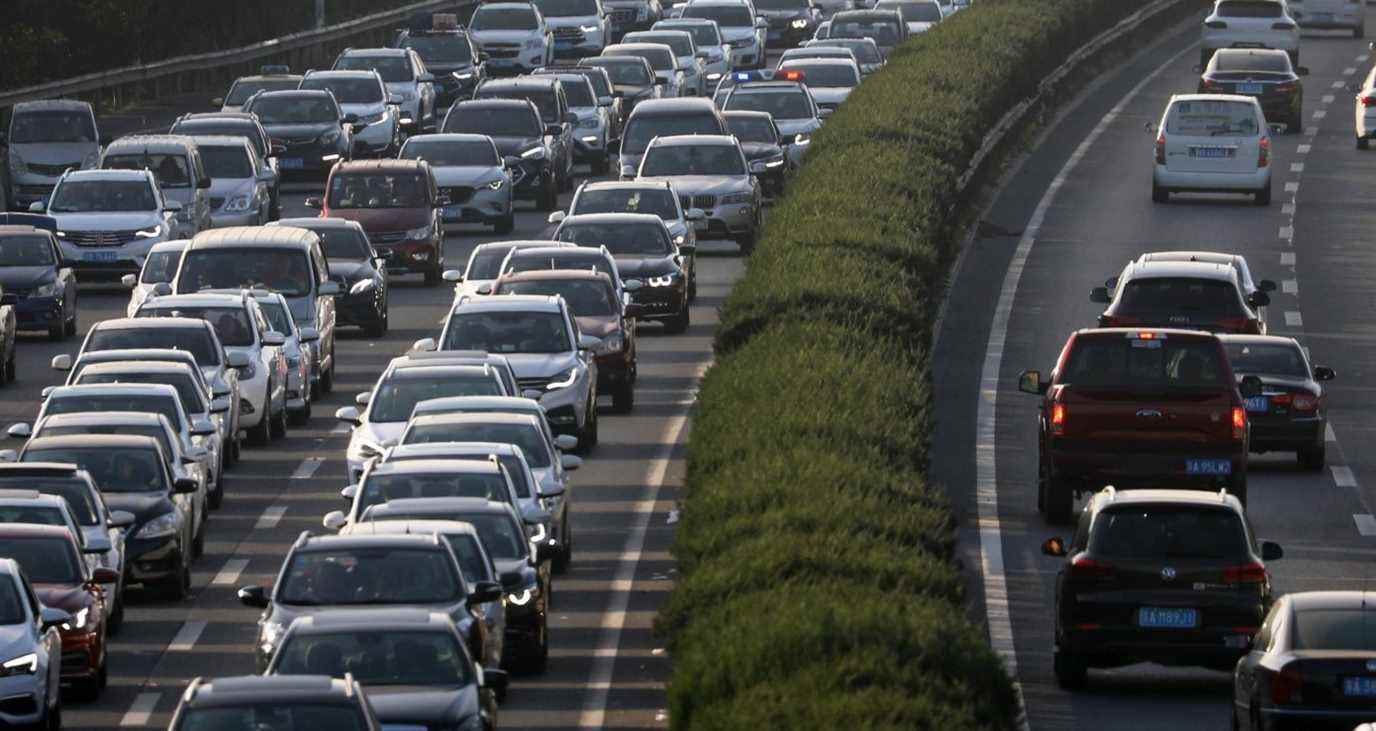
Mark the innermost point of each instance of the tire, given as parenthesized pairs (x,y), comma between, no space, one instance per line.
(1159,194)
(1362,143)
(279,422)
(1072,672)
(505,225)
(117,616)
(327,377)
(548,199)
(678,323)
(1294,125)
(1312,458)
(198,541)
(587,436)
(11,370)
(236,450)
(693,286)
(216,497)
(260,435)
(1263,196)
(623,397)
(57,332)
(747,243)
(54,720)
(535,659)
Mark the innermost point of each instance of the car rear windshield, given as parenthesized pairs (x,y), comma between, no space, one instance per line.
(864,52)
(578,93)
(781,4)
(1183,295)
(630,72)
(379,190)
(501,536)
(295,109)
(884,32)
(1212,119)
(1250,9)
(44,560)
(526,436)
(727,16)
(543,100)
(103,196)
(161,266)
(468,549)
(693,160)
(392,69)
(506,332)
(113,470)
(140,430)
(643,128)
(379,657)
(277,715)
(636,239)
(601,85)
(195,341)
(1278,62)
(503,121)
(242,90)
(703,34)
(170,170)
(785,104)
(369,575)
(1335,629)
(11,606)
(1285,361)
(277,315)
(348,91)
(1127,363)
(504,19)
(55,126)
(660,59)
(827,74)
(87,403)
(397,397)
(378,489)
(226,161)
(32,515)
(231,323)
(681,45)
(1168,532)
(343,244)
(75,492)
(451,153)
(25,250)
(188,390)
(286,271)
(486,263)
(752,129)
(658,202)
(586,298)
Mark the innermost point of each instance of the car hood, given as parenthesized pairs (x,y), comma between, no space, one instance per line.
(299,131)
(631,91)
(540,365)
(757,150)
(380,431)
(598,326)
(55,153)
(230,187)
(795,126)
(737,33)
(470,175)
(639,267)
(350,270)
(105,221)
(516,145)
(67,597)
(831,94)
(143,505)
(24,277)
(439,68)
(363,110)
(16,640)
(423,705)
(782,14)
(571,21)
(503,36)
(706,184)
(385,219)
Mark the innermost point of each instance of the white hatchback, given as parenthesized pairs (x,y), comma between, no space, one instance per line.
(1249,24)
(1212,143)
(1365,110)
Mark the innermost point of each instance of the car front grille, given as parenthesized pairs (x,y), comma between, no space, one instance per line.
(538,384)
(52,171)
(458,194)
(742,43)
(386,237)
(705,202)
(101,238)
(502,50)
(569,33)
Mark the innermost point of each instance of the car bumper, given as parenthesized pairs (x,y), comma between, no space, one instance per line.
(153,559)
(307,161)
(22,700)
(37,313)
(591,45)
(525,62)
(106,262)
(1314,719)
(1119,646)
(298,385)
(253,399)
(1251,182)
(563,406)
(224,220)
(80,655)
(1094,466)
(1286,434)
(483,206)
(359,310)
(726,221)
(411,257)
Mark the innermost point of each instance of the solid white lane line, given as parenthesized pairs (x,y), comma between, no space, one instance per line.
(141,709)
(1292,187)
(1327,98)
(1287,232)
(1350,70)
(229,574)
(1342,476)
(598,686)
(1366,525)
(1287,259)
(187,636)
(1293,319)
(1296,167)
(1303,149)
(270,517)
(1289,286)
(307,468)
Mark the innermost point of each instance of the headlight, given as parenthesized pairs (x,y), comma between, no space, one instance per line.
(563,380)
(663,280)
(239,203)
(361,286)
(78,619)
(802,139)
(613,343)
(419,234)
(534,153)
(799,24)
(589,123)
(496,184)
(533,43)
(151,232)
(774,162)
(738,198)
(588,28)
(22,665)
(714,77)
(160,527)
(678,240)
(48,289)
(463,75)
(271,633)
(329,138)
(373,118)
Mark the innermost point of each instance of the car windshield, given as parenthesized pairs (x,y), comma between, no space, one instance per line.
(564,8)
(727,16)
(160,266)
(378,489)
(276,716)
(641,129)
(1212,119)
(468,549)
(693,160)
(1231,61)
(286,271)
(392,69)
(452,153)
(348,91)
(369,575)
(188,390)
(601,85)
(630,73)
(620,238)
(752,129)
(226,127)
(661,59)
(655,201)
(508,332)
(26,251)
(1184,296)
(827,74)
(1353,630)
(195,341)
(1285,361)
(500,534)
(278,316)
(225,161)
(572,258)
(789,104)
(85,403)
(32,515)
(378,657)
(295,109)
(343,244)
(44,560)
(56,126)
(11,606)
(578,93)
(1133,364)
(1250,9)
(486,263)
(543,100)
(242,90)
(155,431)
(1168,532)
(781,4)
(864,52)
(914,12)
(703,34)
(884,32)
(378,190)
(503,121)
(103,196)
(397,397)
(115,470)
(78,496)
(170,170)
(231,323)
(445,49)
(488,18)
(586,298)
(682,45)
(526,436)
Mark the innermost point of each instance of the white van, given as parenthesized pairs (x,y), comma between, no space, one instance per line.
(1212,143)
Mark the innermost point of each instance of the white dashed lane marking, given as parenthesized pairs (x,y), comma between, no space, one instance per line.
(1287,232)
(1292,187)
(1320,113)
(1293,319)
(1301,150)
(1287,259)
(229,574)
(1289,286)
(141,709)
(307,468)
(1366,525)
(1296,167)
(1350,70)
(1287,209)
(1327,98)
(270,517)
(1339,84)
(1343,477)
(187,636)
(1311,131)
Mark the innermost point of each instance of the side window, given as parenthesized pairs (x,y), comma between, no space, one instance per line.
(322,270)
(35,606)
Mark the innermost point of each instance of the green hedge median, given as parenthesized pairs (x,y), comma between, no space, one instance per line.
(818,586)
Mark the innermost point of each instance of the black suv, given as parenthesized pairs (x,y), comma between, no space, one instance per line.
(279,701)
(449,54)
(547,94)
(526,144)
(307,128)
(1174,577)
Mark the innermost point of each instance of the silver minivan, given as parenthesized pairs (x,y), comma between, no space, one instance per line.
(46,138)
(1212,143)
(175,162)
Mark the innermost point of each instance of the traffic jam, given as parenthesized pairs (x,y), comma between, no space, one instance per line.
(425,600)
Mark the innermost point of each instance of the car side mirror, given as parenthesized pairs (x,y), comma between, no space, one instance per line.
(426,78)
(237,359)
(1031,382)
(570,462)
(120,519)
(1324,373)
(183,486)
(1258,299)
(266,176)
(1271,551)
(309,334)
(313,202)
(1250,386)
(349,492)
(334,520)
(19,431)
(273,338)
(104,575)
(1266,285)
(253,596)
(1053,546)
(633,311)
(554,130)
(423,345)
(129,281)
(588,342)
(218,101)
(37,207)
(556,217)
(348,415)
(1100,295)
(484,592)
(452,275)
(219,404)
(328,289)
(53,617)
(362,398)
(566,442)
(61,362)
(695,214)
(203,183)
(1302,70)
(512,580)
(202,427)
(46,392)
(761,23)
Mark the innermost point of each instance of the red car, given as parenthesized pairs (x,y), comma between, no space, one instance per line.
(59,574)
(1195,295)
(1133,407)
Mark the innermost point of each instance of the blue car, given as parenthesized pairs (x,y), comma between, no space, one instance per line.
(36,282)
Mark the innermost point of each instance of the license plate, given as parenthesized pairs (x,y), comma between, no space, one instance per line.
(1212,152)
(1250,88)
(1208,467)
(105,256)
(1259,404)
(291,163)
(1359,687)
(1167,618)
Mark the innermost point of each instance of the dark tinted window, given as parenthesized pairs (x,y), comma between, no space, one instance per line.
(348,91)
(392,69)
(78,496)
(380,657)
(828,74)
(914,12)
(578,93)
(654,201)
(378,190)
(693,160)
(493,121)
(1335,629)
(397,397)
(278,716)
(231,324)
(504,19)
(623,238)
(559,8)
(703,34)
(295,109)
(451,152)
(278,317)
(25,251)
(171,170)
(1168,532)
(242,90)
(727,16)
(787,104)
(1272,360)
(195,341)
(31,515)
(884,32)
(506,332)
(228,127)
(342,244)
(586,298)
(543,100)
(864,52)
(11,605)
(1249,9)
(286,271)
(661,59)
(103,196)
(502,536)
(373,575)
(161,266)
(223,161)
(624,72)
(471,559)
(378,489)
(683,46)
(52,126)
(446,49)
(1186,296)
(156,432)
(487,263)
(752,129)
(1243,61)
(1119,362)
(86,403)
(44,560)
(527,437)
(187,388)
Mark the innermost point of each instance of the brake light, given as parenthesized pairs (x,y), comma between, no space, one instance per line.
(1161,149)
(1209,86)
(1368,101)
(1087,568)
(1285,88)
(792,75)
(1252,573)
(1146,335)
(1264,152)
(1216,24)
(1239,423)
(1287,686)
(1305,402)
(1058,419)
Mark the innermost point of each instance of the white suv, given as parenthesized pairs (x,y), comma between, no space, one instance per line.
(1212,142)
(107,220)
(513,35)
(1249,24)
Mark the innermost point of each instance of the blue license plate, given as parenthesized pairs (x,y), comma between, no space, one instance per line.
(1212,152)
(105,256)
(1259,404)
(1208,467)
(1167,618)
(1359,687)
(1250,88)
(291,163)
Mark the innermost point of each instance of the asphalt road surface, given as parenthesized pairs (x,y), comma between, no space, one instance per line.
(1314,240)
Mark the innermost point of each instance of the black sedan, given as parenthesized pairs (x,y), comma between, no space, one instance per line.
(763,147)
(38,285)
(1290,414)
(1261,73)
(358,269)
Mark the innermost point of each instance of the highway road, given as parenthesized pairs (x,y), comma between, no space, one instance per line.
(606,668)
(1077,210)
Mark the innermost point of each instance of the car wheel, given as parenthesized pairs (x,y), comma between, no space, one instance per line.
(693,286)
(623,397)
(70,324)
(505,225)
(117,616)
(432,276)
(1313,458)
(327,377)
(565,557)
(11,370)
(88,689)
(1263,196)
(54,720)
(1072,672)
(302,415)
(217,496)
(587,436)
(261,434)
(1159,194)
(279,422)
(678,323)
(198,541)
(236,449)
(57,331)
(1362,143)
(746,242)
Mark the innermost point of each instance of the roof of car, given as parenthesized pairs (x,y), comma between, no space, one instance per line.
(38,469)
(526,244)
(815,61)
(12,496)
(312,224)
(768,86)
(109,174)
(1259,340)
(422,451)
(394,619)
(563,252)
(177,245)
(240,236)
(686,140)
(1109,497)
(220,141)
(675,106)
(275,93)
(638,46)
(155,354)
(144,366)
(622,218)
(34,530)
(385,165)
(450,137)
(158,389)
(864,13)
(51,104)
(742,114)
(475,418)
(511,302)
(507,5)
(256,689)
(137,323)
(494,103)
(1182,269)
(1159,331)
(685,21)
(103,417)
(217,116)
(1351,599)
(519,82)
(342,74)
(1212,97)
(556,275)
(420,369)
(438,506)
(630,184)
(436,466)
(1214,257)
(373,52)
(337,541)
(410,527)
(196,299)
(516,403)
(150,142)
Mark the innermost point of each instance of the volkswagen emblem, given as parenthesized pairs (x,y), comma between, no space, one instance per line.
(1168,574)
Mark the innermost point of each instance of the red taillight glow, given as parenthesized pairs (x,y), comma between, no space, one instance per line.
(1239,423)
(1146,336)
(1161,149)
(1305,402)
(792,75)
(1368,101)
(1252,573)
(1285,88)
(1057,419)
(1264,152)
(1088,568)
(1209,86)
(1286,686)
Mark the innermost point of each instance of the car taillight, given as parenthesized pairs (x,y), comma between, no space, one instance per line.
(1239,423)
(1282,26)
(1285,88)
(1058,419)
(1161,149)
(1209,86)
(1305,402)
(1216,24)
(1087,568)
(1280,399)
(1287,686)
(1264,152)
(1252,573)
